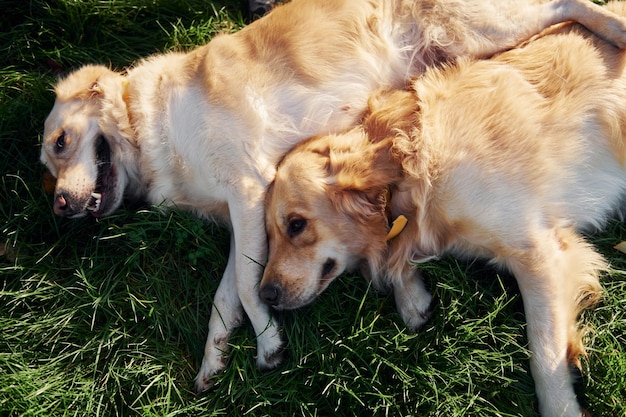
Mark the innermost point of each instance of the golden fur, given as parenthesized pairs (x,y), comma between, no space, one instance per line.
(506,159)
(203,131)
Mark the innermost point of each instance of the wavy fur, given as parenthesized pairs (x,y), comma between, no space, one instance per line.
(204,130)
(507,159)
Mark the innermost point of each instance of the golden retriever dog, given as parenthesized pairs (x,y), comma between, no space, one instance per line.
(506,159)
(204,130)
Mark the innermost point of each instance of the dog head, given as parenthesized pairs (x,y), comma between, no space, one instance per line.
(325,210)
(87,144)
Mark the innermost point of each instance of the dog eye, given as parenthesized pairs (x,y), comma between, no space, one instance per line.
(295,226)
(60,142)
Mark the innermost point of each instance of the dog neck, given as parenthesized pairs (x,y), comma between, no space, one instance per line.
(397,225)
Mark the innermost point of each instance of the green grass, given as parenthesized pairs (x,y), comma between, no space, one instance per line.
(108,317)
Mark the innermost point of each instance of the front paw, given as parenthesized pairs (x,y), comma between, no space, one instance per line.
(270,348)
(415,304)
(211,366)
(415,316)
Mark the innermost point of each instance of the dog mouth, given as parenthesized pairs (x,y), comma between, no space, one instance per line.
(280,298)
(101,197)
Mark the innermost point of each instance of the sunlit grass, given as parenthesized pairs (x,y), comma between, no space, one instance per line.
(109,317)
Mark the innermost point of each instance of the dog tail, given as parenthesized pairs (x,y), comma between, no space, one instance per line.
(585,265)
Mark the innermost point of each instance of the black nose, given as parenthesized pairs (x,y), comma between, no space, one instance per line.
(270,294)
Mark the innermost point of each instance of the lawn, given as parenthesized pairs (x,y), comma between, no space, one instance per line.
(108,317)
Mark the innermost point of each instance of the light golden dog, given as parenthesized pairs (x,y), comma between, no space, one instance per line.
(506,159)
(204,130)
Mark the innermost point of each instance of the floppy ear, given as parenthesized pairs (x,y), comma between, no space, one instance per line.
(106,90)
(87,82)
(362,176)
(360,179)
(390,111)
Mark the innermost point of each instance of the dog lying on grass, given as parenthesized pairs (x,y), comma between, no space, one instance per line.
(506,159)
(204,130)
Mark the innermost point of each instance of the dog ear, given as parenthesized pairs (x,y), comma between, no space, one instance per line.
(95,89)
(359,179)
(390,111)
(87,82)
(362,176)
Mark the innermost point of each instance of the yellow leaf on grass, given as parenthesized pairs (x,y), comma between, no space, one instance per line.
(621,247)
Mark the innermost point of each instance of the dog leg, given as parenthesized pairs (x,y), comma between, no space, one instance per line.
(251,253)
(226,314)
(599,20)
(484,28)
(557,276)
(413,301)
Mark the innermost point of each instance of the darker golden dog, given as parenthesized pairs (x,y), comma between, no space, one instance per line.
(506,159)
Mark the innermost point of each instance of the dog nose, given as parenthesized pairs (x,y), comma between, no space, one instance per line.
(270,294)
(60,205)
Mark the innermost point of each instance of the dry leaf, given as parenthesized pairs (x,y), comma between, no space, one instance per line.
(621,247)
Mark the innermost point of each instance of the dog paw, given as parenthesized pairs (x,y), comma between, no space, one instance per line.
(270,349)
(205,380)
(271,359)
(414,303)
(213,362)
(417,319)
